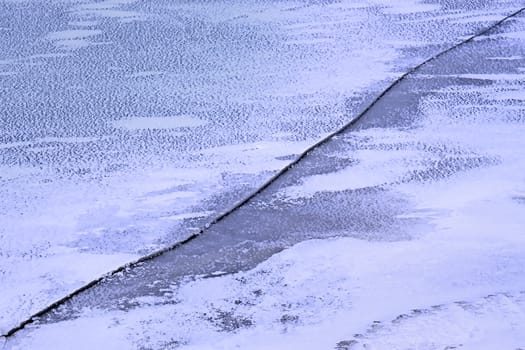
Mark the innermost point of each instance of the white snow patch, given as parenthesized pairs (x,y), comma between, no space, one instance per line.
(173,122)
(73,34)
(505,58)
(85,23)
(400,7)
(108,9)
(499,76)
(73,39)
(72,139)
(186,216)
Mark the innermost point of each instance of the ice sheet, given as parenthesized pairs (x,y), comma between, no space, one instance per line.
(74,186)
(457,283)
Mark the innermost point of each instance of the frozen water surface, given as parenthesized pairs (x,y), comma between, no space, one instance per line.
(126,126)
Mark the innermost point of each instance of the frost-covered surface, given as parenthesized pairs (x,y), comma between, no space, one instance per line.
(423,203)
(125,126)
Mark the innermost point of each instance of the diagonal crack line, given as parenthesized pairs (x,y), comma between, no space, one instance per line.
(33,318)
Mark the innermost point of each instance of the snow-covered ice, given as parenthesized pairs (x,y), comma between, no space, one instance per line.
(109,152)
